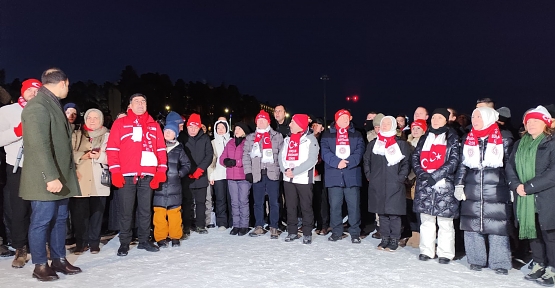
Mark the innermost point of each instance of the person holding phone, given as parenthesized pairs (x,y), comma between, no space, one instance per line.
(90,158)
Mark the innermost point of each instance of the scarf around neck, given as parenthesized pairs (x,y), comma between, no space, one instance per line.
(342,143)
(386,144)
(96,137)
(293,147)
(21,101)
(433,152)
(266,152)
(493,156)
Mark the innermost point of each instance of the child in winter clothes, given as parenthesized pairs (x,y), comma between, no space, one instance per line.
(217,176)
(167,198)
(232,159)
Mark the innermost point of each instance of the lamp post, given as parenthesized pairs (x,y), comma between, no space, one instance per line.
(325,78)
(230,115)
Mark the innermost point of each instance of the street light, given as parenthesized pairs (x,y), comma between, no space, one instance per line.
(167,107)
(287,115)
(230,115)
(325,78)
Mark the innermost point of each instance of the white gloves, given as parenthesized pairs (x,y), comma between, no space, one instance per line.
(459,193)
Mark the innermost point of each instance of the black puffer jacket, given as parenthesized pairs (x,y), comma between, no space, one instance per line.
(168,195)
(487,208)
(440,202)
(386,188)
(542,186)
(200,152)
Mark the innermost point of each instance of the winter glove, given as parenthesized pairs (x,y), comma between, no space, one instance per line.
(159,177)
(118,180)
(18,130)
(428,178)
(459,193)
(229,162)
(248,177)
(196,174)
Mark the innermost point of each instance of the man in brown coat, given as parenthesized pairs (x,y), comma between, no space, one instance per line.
(51,179)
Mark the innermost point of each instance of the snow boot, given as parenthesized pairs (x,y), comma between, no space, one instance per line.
(123,250)
(148,247)
(501,271)
(475,267)
(392,245)
(234,231)
(548,278)
(291,237)
(274,234)
(443,260)
(423,257)
(176,243)
(242,231)
(307,239)
(20,257)
(162,244)
(201,230)
(355,240)
(537,271)
(335,237)
(258,231)
(384,243)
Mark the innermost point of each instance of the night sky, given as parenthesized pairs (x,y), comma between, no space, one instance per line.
(394,55)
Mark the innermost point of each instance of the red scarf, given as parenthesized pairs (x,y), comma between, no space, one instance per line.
(86,128)
(265,136)
(342,137)
(492,132)
(433,152)
(22,102)
(387,140)
(293,148)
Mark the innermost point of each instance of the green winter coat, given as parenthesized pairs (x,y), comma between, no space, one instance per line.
(48,151)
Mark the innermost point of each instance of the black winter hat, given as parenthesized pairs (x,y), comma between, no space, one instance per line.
(245,127)
(443,112)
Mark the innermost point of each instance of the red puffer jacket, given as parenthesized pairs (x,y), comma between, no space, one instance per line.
(125,154)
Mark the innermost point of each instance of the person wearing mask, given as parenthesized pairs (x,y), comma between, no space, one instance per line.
(200,152)
(90,157)
(217,176)
(297,159)
(386,166)
(434,161)
(239,188)
(11,138)
(531,176)
(261,166)
(342,151)
(137,158)
(483,190)
(167,198)
(51,179)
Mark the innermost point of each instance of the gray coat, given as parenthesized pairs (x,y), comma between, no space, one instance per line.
(48,150)
(254,165)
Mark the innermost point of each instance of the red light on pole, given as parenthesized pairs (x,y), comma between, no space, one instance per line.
(355,98)
(348,98)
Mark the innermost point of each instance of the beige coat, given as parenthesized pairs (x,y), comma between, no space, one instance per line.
(90,169)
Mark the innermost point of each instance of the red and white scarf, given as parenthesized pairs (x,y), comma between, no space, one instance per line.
(22,102)
(386,144)
(433,152)
(266,153)
(293,147)
(142,133)
(493,156)
(342,146)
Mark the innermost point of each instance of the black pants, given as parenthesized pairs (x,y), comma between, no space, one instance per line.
(390,226)
(87,215)
(199,196)
(222,206)
(19,210)
(321,205)
(131,192)
(543,247)
(187,204)
(299,195)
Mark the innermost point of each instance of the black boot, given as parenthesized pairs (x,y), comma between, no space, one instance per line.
(234,231)
(148,247)
(123,250)
(384,243)
(176,243)
(63,266)
(393,245)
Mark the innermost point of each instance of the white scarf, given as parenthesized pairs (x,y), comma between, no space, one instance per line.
(267,153)
(386,144)
(493,156)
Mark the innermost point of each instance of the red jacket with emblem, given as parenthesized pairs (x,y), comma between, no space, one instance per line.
(125,153)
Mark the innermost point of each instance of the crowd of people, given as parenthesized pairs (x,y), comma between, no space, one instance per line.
(438,179)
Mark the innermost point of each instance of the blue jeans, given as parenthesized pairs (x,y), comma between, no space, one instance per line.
(48,224)
(259,190)
(352,197)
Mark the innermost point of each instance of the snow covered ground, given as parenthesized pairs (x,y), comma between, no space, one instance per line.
(221,260)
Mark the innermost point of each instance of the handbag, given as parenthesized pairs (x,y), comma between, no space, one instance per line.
(106,176)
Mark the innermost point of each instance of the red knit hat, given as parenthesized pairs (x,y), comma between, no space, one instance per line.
(194,120)
(301,120)
(262,115)
(539,113)
(30,83)
(341,113)
(420,123)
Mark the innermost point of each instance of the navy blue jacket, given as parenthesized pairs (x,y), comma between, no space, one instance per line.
(351,175)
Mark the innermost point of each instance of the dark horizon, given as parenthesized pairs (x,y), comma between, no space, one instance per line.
(394,56)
